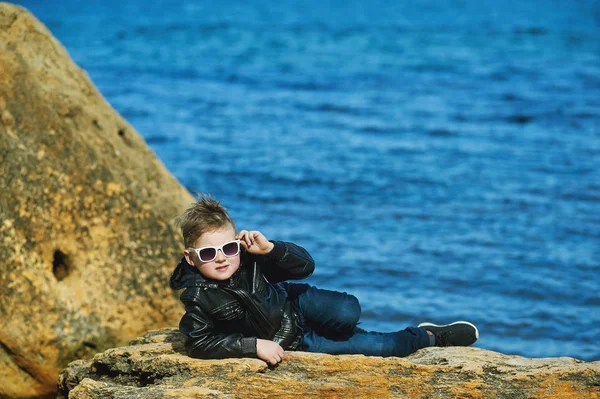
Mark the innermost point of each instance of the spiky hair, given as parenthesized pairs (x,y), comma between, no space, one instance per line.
(206,214)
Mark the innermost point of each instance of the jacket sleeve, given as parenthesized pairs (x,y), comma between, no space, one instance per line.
(287,261)
(203,341)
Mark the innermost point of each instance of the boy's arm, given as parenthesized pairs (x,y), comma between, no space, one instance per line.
(282,260)
(204,342)
(287,261)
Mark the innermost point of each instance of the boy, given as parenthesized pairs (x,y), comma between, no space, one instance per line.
(238,303)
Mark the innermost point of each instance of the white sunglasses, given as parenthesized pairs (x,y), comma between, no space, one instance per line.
(208,254)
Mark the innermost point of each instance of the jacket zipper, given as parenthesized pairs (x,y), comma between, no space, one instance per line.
(256,312)
(263,325)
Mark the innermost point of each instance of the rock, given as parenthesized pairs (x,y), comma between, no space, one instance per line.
(85,216)
(156,366)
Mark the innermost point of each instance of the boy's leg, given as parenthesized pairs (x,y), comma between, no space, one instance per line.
(330,314)
(331,318)
(401,343)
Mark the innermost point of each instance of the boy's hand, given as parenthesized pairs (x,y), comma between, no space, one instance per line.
(269,351)
(254,242)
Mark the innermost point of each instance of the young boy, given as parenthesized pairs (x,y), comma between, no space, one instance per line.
(238,303)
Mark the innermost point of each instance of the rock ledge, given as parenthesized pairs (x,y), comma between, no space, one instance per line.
(155,366)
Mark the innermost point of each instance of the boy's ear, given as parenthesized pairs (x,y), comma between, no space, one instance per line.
(188,257)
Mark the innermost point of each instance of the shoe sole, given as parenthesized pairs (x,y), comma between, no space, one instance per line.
(423,325)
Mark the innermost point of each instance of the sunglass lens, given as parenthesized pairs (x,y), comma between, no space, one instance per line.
(208,254)
(231,248)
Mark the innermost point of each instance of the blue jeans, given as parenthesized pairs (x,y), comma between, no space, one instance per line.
(329,321)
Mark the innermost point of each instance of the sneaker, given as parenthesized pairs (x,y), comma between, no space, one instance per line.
(459,333)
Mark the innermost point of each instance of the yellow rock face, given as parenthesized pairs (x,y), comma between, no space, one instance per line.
(86,208)
(156,366)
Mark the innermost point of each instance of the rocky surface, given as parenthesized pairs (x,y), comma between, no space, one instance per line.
(85,216)
(155,366)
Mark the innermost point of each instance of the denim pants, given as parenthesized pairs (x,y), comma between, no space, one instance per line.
(329,321)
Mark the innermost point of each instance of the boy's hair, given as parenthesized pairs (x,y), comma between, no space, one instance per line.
(207,214)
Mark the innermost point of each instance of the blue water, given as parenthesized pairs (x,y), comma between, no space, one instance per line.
(439,159)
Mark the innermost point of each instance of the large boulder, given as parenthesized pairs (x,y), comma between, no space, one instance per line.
(86,212)
(155,366)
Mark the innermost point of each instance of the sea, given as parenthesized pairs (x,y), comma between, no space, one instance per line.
(440,159)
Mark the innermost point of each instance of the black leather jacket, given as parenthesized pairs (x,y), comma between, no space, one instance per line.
(223,318)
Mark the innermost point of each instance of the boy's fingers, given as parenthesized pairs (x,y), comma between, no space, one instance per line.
(243,236)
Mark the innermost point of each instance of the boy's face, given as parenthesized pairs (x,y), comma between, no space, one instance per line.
(222,267)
